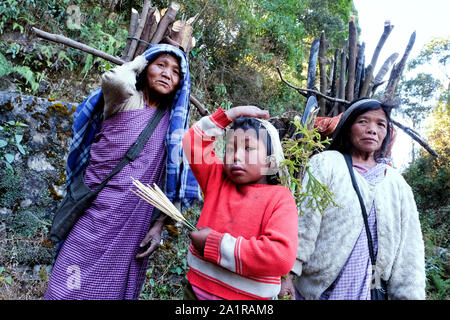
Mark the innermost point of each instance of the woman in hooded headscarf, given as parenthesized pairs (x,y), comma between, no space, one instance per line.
(105,255)
(333,260)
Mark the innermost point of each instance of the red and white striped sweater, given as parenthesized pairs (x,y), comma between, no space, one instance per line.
(254,237)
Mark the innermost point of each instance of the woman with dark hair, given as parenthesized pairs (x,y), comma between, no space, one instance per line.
(105,254)
(333,257)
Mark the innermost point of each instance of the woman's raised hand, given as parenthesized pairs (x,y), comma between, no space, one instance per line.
(247,111)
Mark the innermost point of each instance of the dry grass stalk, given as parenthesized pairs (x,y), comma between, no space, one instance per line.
(158,199)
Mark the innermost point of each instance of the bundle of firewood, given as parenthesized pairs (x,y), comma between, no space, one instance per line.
(152,26)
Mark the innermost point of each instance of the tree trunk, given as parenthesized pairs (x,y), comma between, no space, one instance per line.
(352,52)
(397,70)
(370,69)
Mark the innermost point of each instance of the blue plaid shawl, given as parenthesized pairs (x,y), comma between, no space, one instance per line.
(180,183)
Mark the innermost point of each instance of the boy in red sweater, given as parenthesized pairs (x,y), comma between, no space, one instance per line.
(247,231)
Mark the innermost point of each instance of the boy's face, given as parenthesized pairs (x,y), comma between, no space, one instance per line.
(245,157)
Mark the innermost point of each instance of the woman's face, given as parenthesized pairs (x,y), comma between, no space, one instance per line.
(163,74)
(368,131)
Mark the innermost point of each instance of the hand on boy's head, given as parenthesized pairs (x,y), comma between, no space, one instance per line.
(247,111)
(198,238)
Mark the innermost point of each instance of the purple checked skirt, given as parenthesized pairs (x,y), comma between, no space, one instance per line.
(97,260)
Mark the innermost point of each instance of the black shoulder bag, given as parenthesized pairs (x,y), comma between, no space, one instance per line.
(380,293)
(79,196)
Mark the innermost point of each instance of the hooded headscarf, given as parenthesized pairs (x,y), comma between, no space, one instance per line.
(342,143)
(277,156)
(180,183)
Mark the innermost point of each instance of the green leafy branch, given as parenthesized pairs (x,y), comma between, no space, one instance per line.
(297,150)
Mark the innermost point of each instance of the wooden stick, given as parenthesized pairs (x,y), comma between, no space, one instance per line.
(77,45)
(134,21)
(311,91)
(371,67)
(352,52)
(397,70)
(359,70)
(341,88)
(323,71)
(142,21)
(416,137)
(313,53)
(151,24)
(201,109)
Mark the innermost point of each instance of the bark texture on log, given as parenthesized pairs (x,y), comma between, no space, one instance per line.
(397,70)
(181,33)
(312,64)
(333,89)
(151,24)
(134,21)
(382,72)
(371,67)
(352,52)
(359,70)
(323,72)
(76,45)
(142,20)
(341,89)
(167,19)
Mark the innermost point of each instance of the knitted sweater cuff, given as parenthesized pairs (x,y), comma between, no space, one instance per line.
(211,252)
(220,118)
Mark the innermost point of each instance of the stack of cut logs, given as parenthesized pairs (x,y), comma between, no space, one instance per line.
(153,26)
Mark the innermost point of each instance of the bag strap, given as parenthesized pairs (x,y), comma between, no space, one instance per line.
(136,148)
(348,160)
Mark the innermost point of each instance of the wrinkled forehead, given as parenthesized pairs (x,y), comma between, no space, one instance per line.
(168,55)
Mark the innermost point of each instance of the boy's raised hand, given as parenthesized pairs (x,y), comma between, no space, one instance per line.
(198,238)
(247,111)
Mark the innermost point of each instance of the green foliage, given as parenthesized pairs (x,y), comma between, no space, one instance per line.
(240,44)
(5,275)
(314,195)
(417,94)
(429,179)
(32,60)
(11,135)
(7,68)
